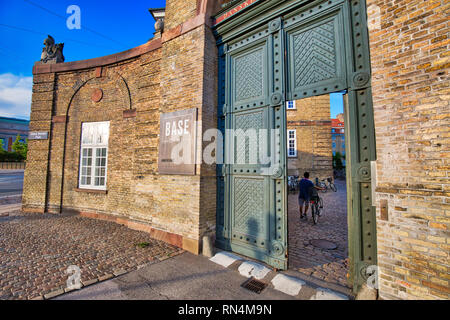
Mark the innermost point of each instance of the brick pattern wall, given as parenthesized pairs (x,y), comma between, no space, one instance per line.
(35,179)
(312,122)
(134,189)
(410,62)
(182,88)
(181,75)
(208,182)
(189,80)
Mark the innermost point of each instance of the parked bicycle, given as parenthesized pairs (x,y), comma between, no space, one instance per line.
(339,174)
(327,184)
(293,182)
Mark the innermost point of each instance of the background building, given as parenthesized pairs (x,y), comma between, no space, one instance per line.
(338,136)
(400,98)
(309,139)
(10,128)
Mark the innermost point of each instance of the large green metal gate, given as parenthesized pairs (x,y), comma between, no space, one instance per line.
(254,172)
(289,50)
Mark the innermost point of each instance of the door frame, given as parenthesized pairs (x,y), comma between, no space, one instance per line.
(360,129)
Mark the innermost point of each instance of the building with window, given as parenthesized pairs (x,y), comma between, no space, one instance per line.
(10,128)
(338,136)
(94,155)
(101,146)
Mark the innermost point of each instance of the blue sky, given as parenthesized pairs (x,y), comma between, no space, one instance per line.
(337,104)
(107,26)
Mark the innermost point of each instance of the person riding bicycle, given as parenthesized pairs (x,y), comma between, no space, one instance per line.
(308,192)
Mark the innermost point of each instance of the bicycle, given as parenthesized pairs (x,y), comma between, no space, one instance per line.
(293,183)
(327,186)
(316,208)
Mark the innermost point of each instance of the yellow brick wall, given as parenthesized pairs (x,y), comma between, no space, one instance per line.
(181,75)
(134,189)
(410,63)
(35,178)
(179,11)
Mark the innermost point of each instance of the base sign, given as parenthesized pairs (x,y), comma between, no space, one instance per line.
(177,142)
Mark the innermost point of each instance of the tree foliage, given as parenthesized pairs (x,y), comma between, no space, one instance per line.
(20,147)
(337,161)
(18,154)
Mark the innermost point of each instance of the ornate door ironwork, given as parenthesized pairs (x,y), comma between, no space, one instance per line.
(253,178)
(311,49)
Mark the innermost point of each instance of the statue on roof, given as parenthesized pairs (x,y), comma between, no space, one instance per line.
(52,52)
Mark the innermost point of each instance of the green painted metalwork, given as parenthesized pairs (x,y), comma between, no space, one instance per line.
(315,52)
(253,218)
(288,50)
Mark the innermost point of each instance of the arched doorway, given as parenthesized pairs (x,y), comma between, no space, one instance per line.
(277,51)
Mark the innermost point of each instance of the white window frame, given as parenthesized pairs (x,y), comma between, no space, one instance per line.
(294,141)
(98,141)
(294,106)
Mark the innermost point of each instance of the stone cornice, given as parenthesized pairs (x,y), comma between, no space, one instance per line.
(186,27)
(98,62)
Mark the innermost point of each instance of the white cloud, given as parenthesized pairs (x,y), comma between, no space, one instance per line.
(15,95)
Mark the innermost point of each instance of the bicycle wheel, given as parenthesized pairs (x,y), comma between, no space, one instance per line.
(320,206)
(325,188)
(315,213)
(333,187)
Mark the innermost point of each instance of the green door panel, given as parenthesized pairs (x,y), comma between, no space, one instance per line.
(315,54)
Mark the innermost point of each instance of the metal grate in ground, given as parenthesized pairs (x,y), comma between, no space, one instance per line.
(254,285)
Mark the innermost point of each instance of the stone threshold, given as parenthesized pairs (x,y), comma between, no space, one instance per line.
(284,282)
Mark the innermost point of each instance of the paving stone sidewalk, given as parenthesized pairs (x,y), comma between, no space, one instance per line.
(189,277)
(328,265)
(36,251)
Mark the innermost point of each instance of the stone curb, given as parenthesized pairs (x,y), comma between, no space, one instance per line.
(53,294)
(89,282)
(104,278)
(119,273)
(84,284)
(286,284)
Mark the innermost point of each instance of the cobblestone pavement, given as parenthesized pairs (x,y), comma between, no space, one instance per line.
(36,250)
(327,265)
